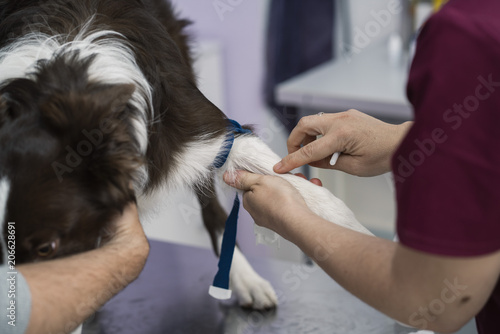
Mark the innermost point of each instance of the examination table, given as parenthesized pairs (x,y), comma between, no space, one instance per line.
(170,297)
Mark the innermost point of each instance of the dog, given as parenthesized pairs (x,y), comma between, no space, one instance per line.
(99,105)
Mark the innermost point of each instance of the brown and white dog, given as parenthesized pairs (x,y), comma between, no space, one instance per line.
(96,95)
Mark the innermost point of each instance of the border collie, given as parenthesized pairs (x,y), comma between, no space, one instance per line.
(98,105)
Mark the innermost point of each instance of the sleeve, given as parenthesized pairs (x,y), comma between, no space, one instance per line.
(447,169)
(15,302)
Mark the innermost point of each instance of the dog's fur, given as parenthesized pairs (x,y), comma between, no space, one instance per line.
(98,104)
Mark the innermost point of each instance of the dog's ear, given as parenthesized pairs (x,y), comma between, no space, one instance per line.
(9,109)
(19,97)
(3,110)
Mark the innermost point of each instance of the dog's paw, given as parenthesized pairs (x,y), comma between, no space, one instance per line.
(251,290)
(254,292)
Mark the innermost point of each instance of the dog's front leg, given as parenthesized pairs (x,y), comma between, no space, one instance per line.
(250,288)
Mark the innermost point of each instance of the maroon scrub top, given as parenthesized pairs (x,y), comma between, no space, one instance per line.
(447,169)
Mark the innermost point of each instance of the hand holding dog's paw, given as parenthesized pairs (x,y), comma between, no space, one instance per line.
(270,200)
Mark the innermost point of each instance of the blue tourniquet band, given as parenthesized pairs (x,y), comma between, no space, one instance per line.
(221,280)
(233,127)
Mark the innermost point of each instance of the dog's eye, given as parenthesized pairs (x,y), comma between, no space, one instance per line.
(47,249)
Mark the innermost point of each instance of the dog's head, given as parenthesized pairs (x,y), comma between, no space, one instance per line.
(69,158)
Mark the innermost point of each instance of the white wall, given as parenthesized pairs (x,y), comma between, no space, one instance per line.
(372,22)
(362,13)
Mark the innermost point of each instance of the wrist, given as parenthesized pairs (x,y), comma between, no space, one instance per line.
(297,223)
(398,132)
(129,253)
(404,128)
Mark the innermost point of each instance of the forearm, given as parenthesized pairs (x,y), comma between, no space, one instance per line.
(374,271)
(67,291)
(360,263)
(421,289)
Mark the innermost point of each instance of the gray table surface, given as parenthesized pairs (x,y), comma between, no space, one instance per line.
(170,297)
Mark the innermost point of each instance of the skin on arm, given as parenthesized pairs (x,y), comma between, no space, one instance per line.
(419,289)
(367,144)
(423,290)
(65,292)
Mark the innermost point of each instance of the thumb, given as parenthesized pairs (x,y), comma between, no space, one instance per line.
(241,179)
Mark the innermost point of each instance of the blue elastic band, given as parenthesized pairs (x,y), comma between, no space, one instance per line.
(237,128)
(221,279)
(234,127)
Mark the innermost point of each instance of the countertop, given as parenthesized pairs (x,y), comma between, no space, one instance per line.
(367,81)
(170,297)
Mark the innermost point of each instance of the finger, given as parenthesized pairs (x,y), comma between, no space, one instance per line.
(322,163)
(317,182)
(316,150)
(300,175)
(349,164)
(345,163)
(308,140)
(241,179)
(327,162)
(314,180)
(309,126)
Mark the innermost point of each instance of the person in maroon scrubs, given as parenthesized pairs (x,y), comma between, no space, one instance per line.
(446,167)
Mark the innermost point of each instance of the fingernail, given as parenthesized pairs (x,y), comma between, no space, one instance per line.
(278,166)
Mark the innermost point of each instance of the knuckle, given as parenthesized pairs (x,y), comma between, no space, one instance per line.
(308,151)
(256,182)
(304,121)
(350,116)
(345,115)
(342,132)
(260,179)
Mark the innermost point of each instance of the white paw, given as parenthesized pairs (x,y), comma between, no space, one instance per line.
(254,292)
(251,290)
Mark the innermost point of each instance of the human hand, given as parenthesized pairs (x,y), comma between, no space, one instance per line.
(314,180)
(129,237)
(271,201)
(367,144)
